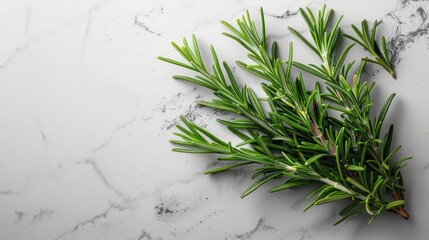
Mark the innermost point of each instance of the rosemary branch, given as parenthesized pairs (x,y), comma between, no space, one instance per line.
(297,138)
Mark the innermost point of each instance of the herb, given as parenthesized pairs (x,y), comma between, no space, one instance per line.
(368,42)
(325,136)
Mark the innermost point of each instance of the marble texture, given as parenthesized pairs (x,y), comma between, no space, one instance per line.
(87,109)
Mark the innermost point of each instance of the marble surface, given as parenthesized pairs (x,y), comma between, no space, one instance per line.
(87,109)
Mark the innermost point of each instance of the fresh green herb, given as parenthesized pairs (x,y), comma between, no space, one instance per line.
(299,137)
(366,39)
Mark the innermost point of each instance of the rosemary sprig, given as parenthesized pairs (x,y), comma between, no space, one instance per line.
(366,38)
(324,41)
(297,138)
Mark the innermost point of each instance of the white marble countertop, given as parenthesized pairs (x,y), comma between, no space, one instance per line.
(87,111)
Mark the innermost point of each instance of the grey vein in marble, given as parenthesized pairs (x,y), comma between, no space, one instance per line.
(140,20)
(261,226)
(145,235)
(103,177)
(415,13)
(88,24)
(118,128)
(18,50)
(93,220)
(140,23)
(8,192)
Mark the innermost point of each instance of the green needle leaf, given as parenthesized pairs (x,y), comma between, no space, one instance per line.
(258,183)
(394,204)
(227,167)
(355,168)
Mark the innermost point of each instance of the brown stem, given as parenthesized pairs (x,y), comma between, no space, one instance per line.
(393,74)
(400,210)
(332,150)
(322,138)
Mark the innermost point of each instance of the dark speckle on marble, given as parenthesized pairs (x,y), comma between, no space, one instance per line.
(20,215)
(371,70)
(161,210)
(144,20)
(191,114)
(202,221)
(169,207)
(194,112)
(140,23)
(176,101)
(42,213)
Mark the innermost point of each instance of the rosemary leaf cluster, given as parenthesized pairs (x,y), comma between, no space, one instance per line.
(325,136)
